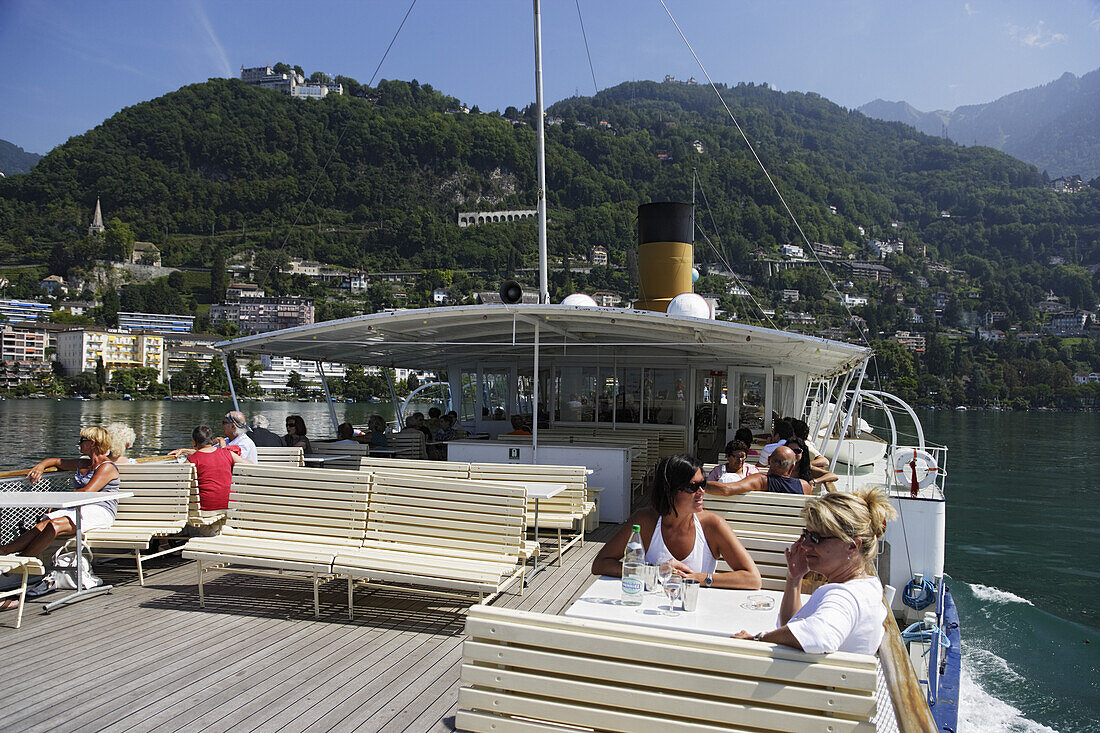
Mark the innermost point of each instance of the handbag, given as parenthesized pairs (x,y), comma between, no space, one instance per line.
(63,575)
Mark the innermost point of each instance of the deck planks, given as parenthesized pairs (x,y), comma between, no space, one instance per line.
(254,659)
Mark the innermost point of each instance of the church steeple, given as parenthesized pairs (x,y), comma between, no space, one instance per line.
(97,220)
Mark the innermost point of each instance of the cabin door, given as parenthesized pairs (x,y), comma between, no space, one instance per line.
(751,399)
(710,414)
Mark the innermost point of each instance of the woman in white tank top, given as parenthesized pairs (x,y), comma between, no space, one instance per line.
(677,528)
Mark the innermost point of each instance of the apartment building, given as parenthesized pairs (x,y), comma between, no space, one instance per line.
(261,314)
(79,350)
(156,322)
(14,311)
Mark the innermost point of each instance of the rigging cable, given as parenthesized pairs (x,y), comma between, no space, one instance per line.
(584,35)
(710,213)
(760,163)
(332,152)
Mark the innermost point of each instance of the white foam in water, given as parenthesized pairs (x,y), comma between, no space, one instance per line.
(996,595)
(981,712)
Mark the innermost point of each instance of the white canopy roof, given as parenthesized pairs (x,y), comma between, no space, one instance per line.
(432,338)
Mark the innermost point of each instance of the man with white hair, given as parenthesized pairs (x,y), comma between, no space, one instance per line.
(236,433)
(260,434)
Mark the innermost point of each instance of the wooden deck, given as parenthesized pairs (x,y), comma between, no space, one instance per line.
(254,659)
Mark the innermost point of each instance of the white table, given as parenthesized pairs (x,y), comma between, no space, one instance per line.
(538,491)
(720,612)
(64,500)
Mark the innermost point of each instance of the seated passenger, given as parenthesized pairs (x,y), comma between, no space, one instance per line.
(677,527)
(781,433)
(345,435)
(519,426)
(735,468)
(213,467)
(122,440)
(840,541)
(780,478)
(95,472)
(447,432)
(376,430)
(803,465)
(745,436)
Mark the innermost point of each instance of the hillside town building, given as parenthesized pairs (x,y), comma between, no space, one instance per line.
(80,349)
(261,314)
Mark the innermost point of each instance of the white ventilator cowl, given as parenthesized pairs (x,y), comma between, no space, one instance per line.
(690,304)
(579,299)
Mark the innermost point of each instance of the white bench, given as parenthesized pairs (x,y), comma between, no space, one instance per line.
(524,671)
(158,508)
(26,566)
(449,537)
(766,523)
(562,513)
(412,467)
(288,522)
(354,451)
(276,456)
(408,444)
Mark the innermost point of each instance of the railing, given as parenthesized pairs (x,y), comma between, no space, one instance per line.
(911,711)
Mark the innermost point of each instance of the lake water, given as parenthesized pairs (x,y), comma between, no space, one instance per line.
(1022,533)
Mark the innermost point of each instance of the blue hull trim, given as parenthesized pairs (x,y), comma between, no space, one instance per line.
(946,709)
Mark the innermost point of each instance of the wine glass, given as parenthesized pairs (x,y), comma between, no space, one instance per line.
(665,570)
(673,586)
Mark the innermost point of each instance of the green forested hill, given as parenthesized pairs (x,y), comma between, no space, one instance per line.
(224,156)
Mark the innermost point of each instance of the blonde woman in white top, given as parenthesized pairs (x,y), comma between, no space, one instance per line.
(840,541)
(677,527)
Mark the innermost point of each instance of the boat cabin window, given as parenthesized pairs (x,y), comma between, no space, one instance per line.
(496,389)
(576,390)
(467,407)
(584,394)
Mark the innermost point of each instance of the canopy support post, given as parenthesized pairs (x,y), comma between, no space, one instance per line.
(328,397)
(535,398)
(229,378)
(393,398)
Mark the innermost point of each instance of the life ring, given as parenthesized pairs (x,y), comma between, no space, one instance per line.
(903,473)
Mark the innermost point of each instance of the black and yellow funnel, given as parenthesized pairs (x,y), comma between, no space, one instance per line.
(665,234)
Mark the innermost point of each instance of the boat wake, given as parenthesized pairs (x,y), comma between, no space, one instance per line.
(979,710)
(989,594)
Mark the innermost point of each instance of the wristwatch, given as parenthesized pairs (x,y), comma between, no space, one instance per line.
(759,636)
(709,580)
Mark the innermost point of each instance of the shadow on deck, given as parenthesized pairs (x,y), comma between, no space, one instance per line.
(140,659)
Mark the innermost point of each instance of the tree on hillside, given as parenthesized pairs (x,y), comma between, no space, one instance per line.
(219,276)
(119,239)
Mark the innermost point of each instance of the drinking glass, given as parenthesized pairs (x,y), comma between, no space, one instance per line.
(664,570)
(672,590)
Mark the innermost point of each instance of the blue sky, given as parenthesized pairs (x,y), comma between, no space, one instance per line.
(69,65)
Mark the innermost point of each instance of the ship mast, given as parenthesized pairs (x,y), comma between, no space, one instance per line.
(544,288)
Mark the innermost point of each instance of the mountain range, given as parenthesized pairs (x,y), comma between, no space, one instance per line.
(14,159)
(1055,127)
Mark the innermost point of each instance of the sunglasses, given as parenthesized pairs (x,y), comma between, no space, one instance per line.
(797,451)
(82,441)
(694,486)
(815,538)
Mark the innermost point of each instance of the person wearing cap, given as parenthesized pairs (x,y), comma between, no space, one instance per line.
(236,434)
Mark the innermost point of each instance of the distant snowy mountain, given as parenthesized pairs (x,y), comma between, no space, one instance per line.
(1056,126)
(14,159)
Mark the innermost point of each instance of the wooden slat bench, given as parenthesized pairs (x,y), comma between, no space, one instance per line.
(354,451)
(443,537)
(437,470)
(766,523)
(525,671)
(562,513)
(432,469)
(158,508)
(289,520)
(408,444)
(275,456)
(26,566)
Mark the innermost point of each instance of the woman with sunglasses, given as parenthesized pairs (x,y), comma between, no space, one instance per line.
(94,472)
(840,541)
(678,527)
